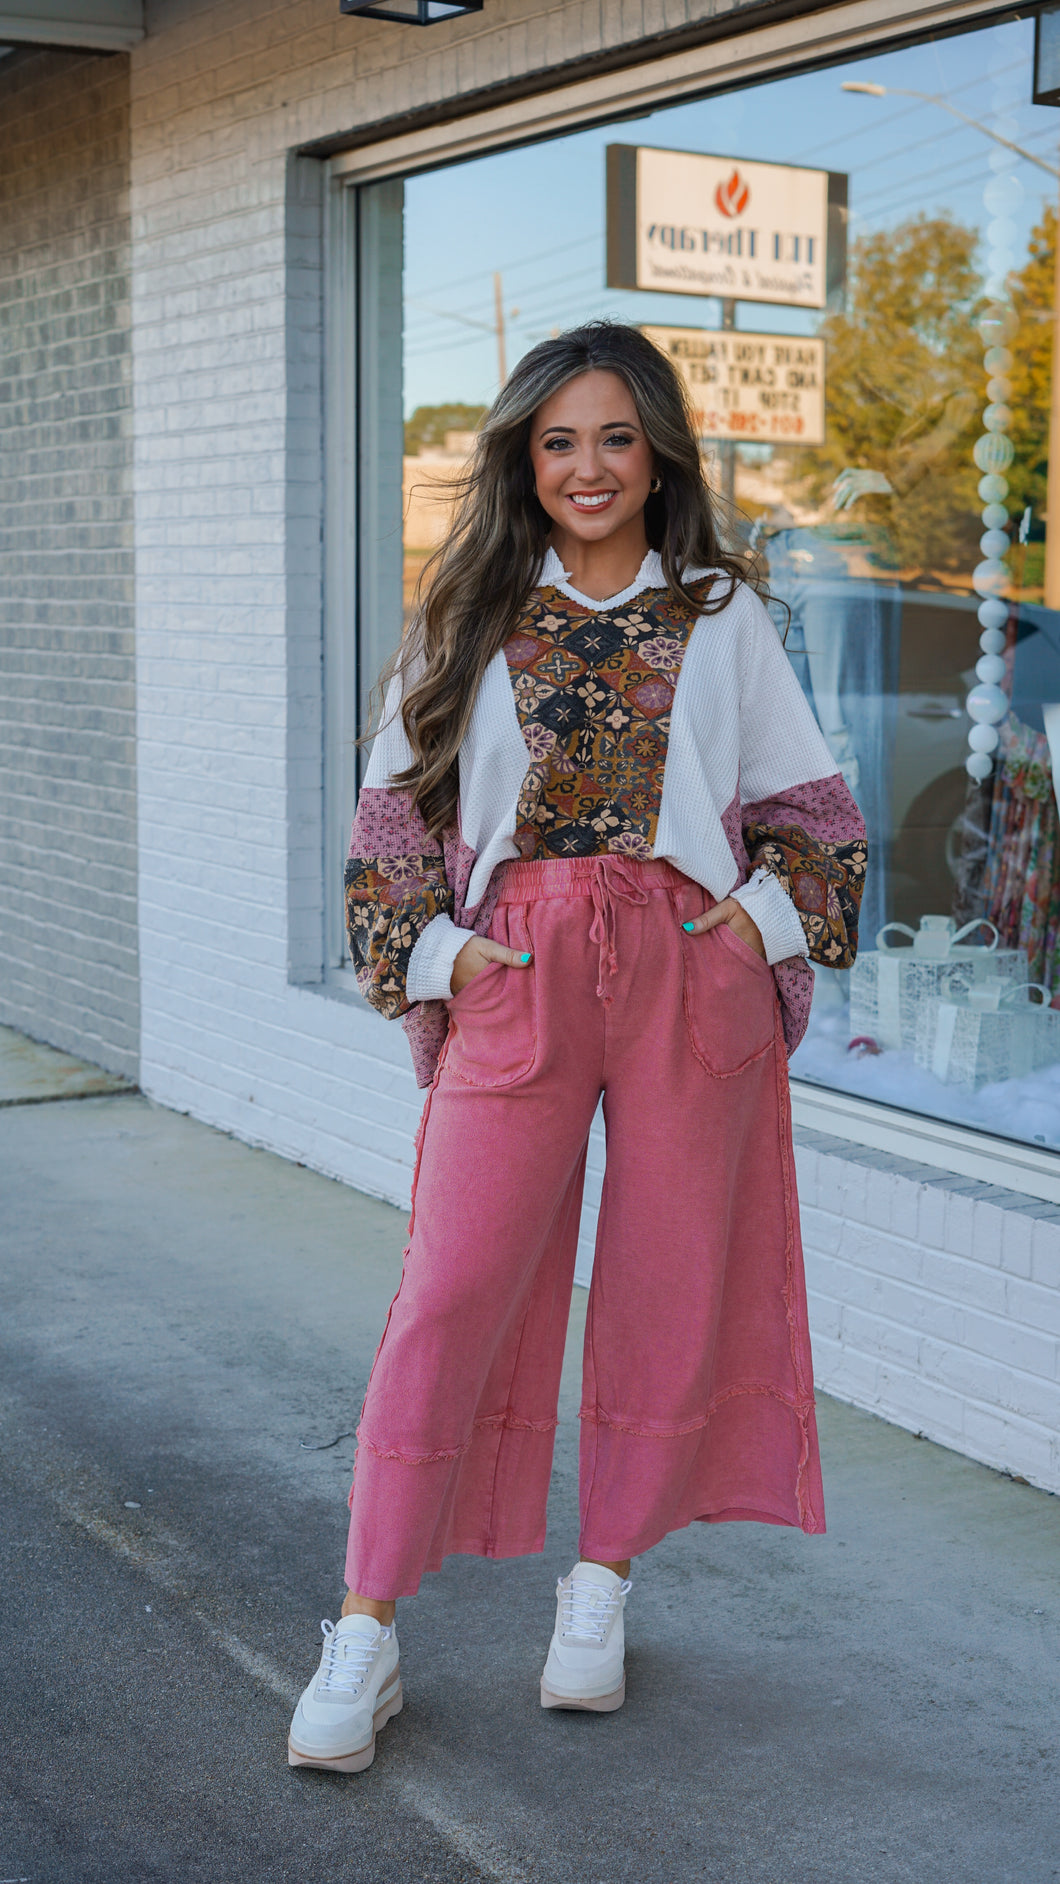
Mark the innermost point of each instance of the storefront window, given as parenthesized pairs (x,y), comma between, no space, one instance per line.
(875,382)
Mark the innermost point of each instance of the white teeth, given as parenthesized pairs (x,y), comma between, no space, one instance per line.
(593,503)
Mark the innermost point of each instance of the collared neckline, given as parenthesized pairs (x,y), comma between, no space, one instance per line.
(552,575)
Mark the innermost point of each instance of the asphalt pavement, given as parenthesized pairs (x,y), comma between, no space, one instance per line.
(181,1313)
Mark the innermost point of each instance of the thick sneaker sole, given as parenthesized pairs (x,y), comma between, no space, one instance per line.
(590,1704)
(361,1757)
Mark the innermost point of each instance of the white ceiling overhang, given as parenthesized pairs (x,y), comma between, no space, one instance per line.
(106,25)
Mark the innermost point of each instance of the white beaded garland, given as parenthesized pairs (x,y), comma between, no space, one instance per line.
(986,702)
(1002,194)
(990,577)
(993,452)
(991,669)
(997,325)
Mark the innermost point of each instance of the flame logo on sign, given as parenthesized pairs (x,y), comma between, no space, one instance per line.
(733,197)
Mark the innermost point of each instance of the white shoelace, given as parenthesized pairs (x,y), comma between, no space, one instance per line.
(347,1660)
(586,1609)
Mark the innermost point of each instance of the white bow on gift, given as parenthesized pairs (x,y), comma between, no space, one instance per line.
(938,939)
(990,997)
(991,994)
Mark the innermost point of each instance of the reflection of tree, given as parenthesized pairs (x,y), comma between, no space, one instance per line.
(429,425)
(1032,369)
(905,389)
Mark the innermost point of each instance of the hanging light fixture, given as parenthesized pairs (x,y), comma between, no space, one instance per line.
(411,12)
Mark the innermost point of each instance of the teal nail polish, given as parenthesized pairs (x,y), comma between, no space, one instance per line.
(524,959)
(689,926)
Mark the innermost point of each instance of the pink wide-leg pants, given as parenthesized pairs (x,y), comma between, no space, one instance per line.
(698,1397)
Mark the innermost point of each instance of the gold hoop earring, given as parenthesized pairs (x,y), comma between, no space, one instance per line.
(655,486)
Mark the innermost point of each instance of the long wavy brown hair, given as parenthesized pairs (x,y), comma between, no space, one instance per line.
(475,585)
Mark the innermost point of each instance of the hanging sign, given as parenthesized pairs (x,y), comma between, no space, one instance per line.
(682,223)
(764,388)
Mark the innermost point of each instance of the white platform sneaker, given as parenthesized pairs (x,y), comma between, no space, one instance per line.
(586,1657)
(355,1691)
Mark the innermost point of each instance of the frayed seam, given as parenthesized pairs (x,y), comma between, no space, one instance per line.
(394,1455)
(505,1422)
(515,1423)
(597,1416)
(809,1519)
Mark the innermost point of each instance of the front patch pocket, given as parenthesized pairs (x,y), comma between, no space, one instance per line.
(729,995)
(493,1020)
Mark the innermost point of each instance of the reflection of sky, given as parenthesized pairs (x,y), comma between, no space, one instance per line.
(537,214)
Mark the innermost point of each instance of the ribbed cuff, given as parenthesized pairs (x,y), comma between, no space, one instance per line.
(771,908)
(430,970)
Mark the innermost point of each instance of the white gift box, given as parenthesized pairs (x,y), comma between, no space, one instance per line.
(889,986)
(993,1032)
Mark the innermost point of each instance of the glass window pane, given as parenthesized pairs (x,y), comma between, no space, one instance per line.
(902,519)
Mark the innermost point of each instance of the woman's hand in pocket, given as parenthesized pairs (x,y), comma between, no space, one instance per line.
(476,955)
(734,913)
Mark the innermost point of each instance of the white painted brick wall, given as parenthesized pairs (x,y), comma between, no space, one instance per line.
(68,848)
(935,1302)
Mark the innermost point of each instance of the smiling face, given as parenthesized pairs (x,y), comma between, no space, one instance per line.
(592,462)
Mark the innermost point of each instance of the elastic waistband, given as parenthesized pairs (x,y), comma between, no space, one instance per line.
(528,881)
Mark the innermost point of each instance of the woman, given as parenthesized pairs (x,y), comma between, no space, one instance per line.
(599,835)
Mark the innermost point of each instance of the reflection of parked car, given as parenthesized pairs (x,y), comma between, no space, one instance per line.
(1036,668)
(855,638)
(938,649)
(887,668)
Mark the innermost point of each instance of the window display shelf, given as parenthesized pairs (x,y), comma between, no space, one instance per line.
(942,1144)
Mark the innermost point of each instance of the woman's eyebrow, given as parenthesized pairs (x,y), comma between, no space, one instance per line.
(612,425)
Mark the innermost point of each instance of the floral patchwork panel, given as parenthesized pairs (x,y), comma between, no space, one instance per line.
(593,692)
(389,902)
(824,880)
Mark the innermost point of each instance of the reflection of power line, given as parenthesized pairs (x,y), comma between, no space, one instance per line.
(448,314)
(923,177)
(974,175)
(562,314)
(596,314)
(538,301)
(419,347)
(915,199)
(914,202)
(445,346)
(544,292)
(931,177)
(868,130)
(523,261)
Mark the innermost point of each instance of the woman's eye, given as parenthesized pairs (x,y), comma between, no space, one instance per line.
(557,444)
(619,438)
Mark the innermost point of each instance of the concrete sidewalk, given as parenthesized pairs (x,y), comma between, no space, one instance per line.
(179,1314)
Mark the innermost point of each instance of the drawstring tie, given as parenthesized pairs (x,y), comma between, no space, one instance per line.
(613,880)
